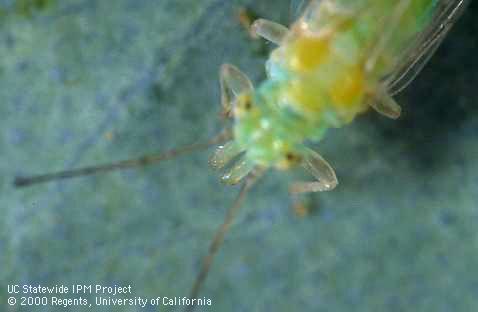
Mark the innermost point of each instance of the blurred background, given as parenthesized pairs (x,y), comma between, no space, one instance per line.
(85,82)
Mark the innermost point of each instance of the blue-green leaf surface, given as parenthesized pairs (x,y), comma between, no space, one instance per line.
(85,82)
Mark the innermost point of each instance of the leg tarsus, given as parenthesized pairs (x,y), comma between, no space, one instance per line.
(384,104)
(269,30)
(299,187)
(321,170)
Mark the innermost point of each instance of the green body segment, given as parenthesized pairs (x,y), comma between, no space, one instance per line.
(317,78)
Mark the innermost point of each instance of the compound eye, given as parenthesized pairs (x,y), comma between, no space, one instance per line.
(248,104)
(292,158)
(243,105)
(289,160)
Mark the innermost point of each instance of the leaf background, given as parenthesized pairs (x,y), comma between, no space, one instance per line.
(86,82)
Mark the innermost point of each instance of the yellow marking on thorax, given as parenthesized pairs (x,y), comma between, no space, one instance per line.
(344,94)
(310,48)
(324,81)
(305,95)
(307,52)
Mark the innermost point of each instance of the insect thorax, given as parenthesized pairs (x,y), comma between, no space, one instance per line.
(318,78)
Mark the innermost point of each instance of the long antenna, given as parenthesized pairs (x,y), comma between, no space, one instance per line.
(218,239)
(144,160)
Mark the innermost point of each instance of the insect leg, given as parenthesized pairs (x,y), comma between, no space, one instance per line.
(240,170)
(224,154)
(321,170)
(269,30)
(233,82)
(383,103)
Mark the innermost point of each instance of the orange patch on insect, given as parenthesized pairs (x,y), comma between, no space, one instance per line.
(308,52)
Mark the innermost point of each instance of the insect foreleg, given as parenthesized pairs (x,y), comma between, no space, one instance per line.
(233,83)
(321,170)
(382,102)
(269,30)
(224,154)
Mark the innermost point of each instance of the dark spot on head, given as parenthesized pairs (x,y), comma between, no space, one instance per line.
(292,158)
(247,104)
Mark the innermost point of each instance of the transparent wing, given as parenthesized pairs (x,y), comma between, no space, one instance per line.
(424,45)
(297,7)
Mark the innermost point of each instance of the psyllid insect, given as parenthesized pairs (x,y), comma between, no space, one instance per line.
(335,61)
(332,64)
